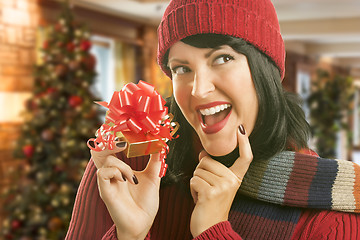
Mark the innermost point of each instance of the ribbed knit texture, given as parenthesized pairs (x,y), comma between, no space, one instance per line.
(295,179)
(252,20)
(273,203)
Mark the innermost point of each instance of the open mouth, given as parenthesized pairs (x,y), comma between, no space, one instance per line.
(214,118)
(213,115)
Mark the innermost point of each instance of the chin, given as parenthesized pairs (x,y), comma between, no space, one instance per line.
(220,149)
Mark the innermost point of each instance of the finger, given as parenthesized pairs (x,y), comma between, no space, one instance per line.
(203,154)
(125,170)
(106,174)
(106,177)
(197,187)
(100,156)
(117,146)
(154,165)
(241,165)
(213,166)
(207,176)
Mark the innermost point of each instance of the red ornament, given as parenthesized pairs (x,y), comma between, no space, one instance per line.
(58,27)
(60,44)
(85,45)
(89,62)
(75,101)
(70,46)
(51,90)
(9,236)
(28,150)
(15,224)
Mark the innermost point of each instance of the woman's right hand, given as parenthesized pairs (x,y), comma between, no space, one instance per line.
(131,197)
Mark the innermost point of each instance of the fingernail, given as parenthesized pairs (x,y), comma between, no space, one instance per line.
(136,181)
(242,129)
(92,144)
(121,144)
(123,178)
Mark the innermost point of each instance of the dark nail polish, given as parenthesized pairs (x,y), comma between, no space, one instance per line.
(123,178)
(136,181)
(92,144)
(242,129)
(121,144)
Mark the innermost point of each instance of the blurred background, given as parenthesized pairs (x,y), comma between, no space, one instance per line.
(56,59)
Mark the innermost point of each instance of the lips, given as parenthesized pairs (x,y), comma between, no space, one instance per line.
(214,116)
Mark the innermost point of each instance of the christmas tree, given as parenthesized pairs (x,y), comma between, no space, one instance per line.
(59,119)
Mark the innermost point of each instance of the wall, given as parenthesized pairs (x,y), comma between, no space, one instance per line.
(18,21)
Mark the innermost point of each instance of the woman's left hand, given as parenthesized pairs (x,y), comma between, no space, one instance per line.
(214,186)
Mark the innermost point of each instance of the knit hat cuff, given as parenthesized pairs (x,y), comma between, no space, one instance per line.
(257,30)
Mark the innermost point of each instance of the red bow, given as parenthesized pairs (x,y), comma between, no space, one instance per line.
(137,108)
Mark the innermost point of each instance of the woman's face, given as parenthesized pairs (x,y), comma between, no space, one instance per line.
(215,92)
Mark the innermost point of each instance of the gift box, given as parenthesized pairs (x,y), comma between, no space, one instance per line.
(140,144)
(137,114)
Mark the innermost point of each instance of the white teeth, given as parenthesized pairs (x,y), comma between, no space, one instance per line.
(213,110)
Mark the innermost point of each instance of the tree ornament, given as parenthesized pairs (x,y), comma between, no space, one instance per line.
(60,44)
(15,224)
(9,236)
(75,101)
(78,33)
(47,135)
(28,150)
(51,90)
(86,34)
(89,61)
(74,65)
(85,45)
(62,21)
(60,70)
(70,46)
(55,224)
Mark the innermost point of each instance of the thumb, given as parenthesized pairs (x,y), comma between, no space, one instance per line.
(241,165)
(154,165)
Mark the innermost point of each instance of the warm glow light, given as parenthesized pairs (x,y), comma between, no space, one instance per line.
(11,105)
(327,59)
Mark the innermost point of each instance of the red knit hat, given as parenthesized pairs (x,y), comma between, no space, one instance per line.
(255,21)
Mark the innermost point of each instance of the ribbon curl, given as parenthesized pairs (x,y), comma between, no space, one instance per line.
(137,108)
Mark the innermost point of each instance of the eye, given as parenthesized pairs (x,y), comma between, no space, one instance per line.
(180,70)
(223,59)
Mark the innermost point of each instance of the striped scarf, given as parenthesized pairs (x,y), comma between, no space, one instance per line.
(274,192)
(299,180)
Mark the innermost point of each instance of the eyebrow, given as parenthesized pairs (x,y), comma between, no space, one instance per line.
(207,55)
(212,51)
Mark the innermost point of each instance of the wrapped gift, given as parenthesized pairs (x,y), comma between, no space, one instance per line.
(137,115)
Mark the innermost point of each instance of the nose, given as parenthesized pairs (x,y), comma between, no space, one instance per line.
(203,84)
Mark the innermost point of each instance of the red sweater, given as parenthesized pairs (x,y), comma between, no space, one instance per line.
(91,220)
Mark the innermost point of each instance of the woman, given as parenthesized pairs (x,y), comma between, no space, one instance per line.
(235,171)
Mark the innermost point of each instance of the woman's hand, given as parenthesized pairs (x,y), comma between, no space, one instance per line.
(214,186)
(131,197)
